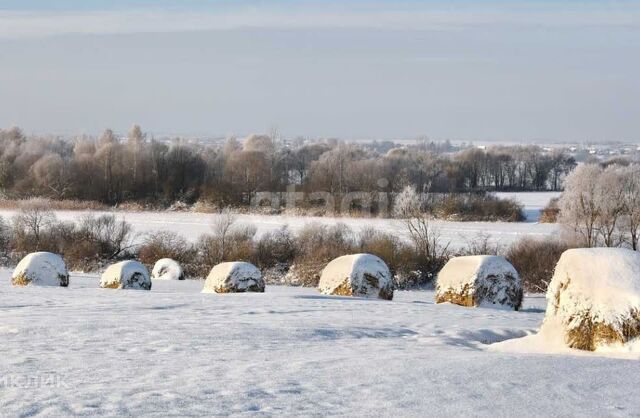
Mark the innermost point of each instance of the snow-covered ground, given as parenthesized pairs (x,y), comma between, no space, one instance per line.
(289,351)
(192,225)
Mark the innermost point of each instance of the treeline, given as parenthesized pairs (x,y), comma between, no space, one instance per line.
(142,169)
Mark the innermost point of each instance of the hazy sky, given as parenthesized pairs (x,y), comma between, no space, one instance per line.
(512,70)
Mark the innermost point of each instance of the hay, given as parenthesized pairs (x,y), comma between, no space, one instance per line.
(20,280)
(128,274)
(234,277)
(589,335)
(360,275)
(41,269)
(479,280)
(593,300)
(462,298)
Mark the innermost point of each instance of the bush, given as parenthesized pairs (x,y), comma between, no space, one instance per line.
(316,245)
(235,244)
(83,245)
(550,212)
(480,244)
(476,207)
(277,247)
(166,244)
(535,261)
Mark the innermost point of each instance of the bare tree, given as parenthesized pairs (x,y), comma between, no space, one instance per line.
(423,234)
(222,228)
(34,217)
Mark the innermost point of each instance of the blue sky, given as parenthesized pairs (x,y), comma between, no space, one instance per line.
(516,71)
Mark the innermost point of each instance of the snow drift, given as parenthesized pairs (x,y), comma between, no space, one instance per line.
(362,275)
(41,269)
(234,277)
(479,280)
(593,300)
(167,269)
(128,274)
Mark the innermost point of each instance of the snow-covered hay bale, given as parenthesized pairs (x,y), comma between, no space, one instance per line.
(41,269)
(479,280)
(362,275)
(593,299)
(234,277)
(167,269)
(128,274)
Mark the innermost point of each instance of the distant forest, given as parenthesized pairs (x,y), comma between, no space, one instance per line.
(138,168)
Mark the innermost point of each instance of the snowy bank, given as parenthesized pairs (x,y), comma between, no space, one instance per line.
(362,275)
(479,280)
(41,269)
(234,277)
(167,269)
(128,274)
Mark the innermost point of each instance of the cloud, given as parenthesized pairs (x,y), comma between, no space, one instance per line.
(17,25)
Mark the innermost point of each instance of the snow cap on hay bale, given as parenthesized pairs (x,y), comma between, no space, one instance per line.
(593,299)
(41,269)
(479,280)
(128,274)
(234,277)
(167,269)
(362,275)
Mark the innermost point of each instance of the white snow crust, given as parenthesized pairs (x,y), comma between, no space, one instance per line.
(167,269)
(354,268)
(128,274)
(288,352)
(234,276)
(43,269)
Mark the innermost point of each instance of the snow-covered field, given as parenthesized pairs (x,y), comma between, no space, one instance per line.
(83,350)
(192,225)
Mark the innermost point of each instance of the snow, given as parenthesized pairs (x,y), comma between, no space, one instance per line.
(288,352)
(352,271)
(41,269)
(602,283)
(167,269)
(490,279)
(191,225)
(236,276)
(128,274)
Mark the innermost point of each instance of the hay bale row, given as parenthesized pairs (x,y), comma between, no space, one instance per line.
(593,299)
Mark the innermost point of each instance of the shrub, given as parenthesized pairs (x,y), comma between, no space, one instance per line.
(477,207)
(164,244)
(549,214)
(316,245)
(535,261)
(167,244)
(275,247)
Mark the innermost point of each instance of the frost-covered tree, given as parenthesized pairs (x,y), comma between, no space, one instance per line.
(601,206)
(579,206)
(631,201)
